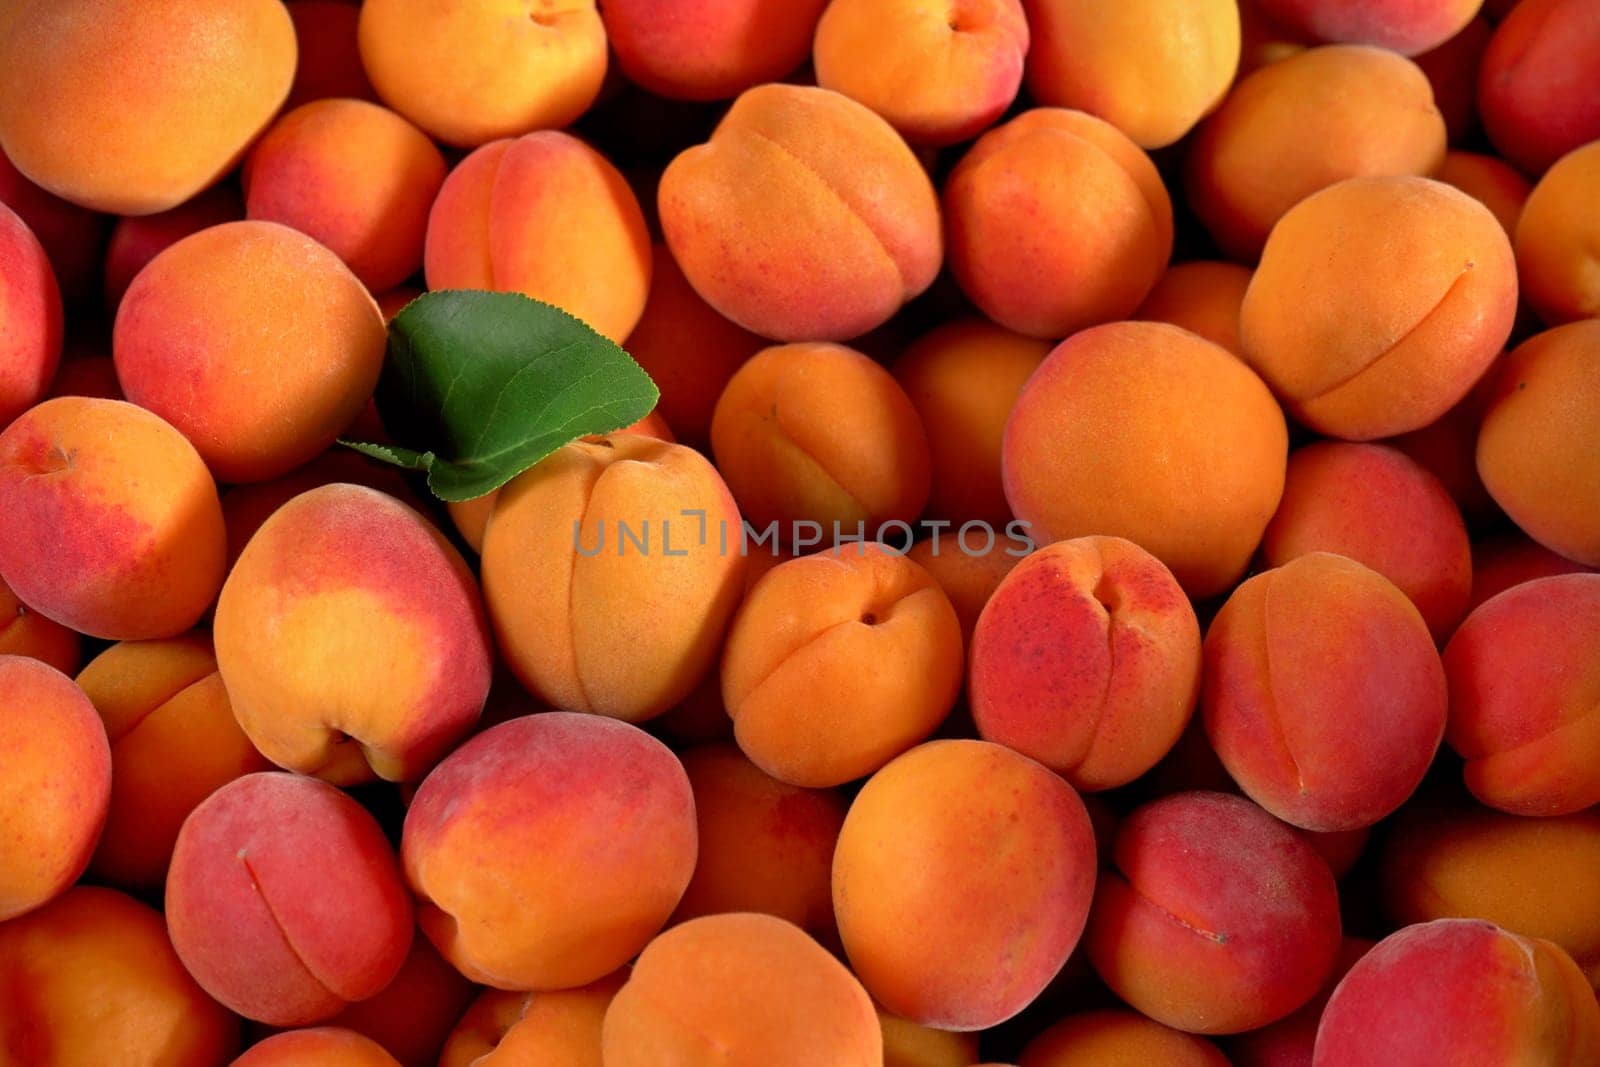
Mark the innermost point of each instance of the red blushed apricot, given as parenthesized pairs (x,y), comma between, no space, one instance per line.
(1524,671)
(351,637)
(1087,659)
(752,987)
(838,662)
(968,575)
(1118,1039)
(30,308)
(1452,69)
(1531,87)
(187,342)
(908,1044)
(1203,297)
(137,240)
(1492,182)
(1416,294)
(1302,124)
(820,433)
(1290,1041)
(1537,877)
(1151,68)
(330,57)
(709,49)
(1375,505)
(1146,431)
(688,349)
(24,632)
(1003,860)
(510,1029)
(128,512)
(284,900)
(1558,239)
(546,851)
(963,378)
(72,237)
(497,69)
(1212,917)
(1459,993)
(413,1016)
(54,793)
(939,72)
(765,846)
(92,979)
(319,1046)
(650,570)
(140,120)
(1407,26)
(357,177)
(1323,694)
(804,218)
(174,742)
(548,216)
(1540,434)
(1498,563)
(1056,221)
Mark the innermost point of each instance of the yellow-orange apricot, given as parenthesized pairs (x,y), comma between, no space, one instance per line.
(1203,297)
(24,632)
(1558,239)
(1118,1039)
(318,1046)
(509,1029)
(909,1044)
(1491,181)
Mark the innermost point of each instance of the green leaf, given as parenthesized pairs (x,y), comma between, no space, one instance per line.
(480,386)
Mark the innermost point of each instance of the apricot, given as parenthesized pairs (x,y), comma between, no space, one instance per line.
(30,309)
(319,1046)
(24,632)
(135,241)
(548,216)
(1416,292)
(1056,221)
(651,571)
(357,177)
(688,349)
(804,218)
(961,882)
(1536,877)
(1203,297)
(968,570)
(92,979)
(330,56)
(128,512)
(908,1044)
(1118,1039)
(1452,68)
(1459,992)
(1489,180)
(1302,124)
(140,120)
(174,742)
(546,851)
(838,662)
(1087,659)
(251,410)
(709,49)
(1558,239)
(1498,563)
(1145,431)
(1291,1041)
(351,638)
(85,373)
(414,1015)
(54,793)
(1408,28)
(507,1029)
(284,900)
(73,238)
(1539,435)
(1151,68)
(493,70)
(1375,505)
(938,72)
(765,846)
(963,378)
(1524,673)
(753,987)
(1212,917)
(820,433)
(1530,87)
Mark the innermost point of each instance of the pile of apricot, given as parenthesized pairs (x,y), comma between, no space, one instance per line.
(1111,578)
